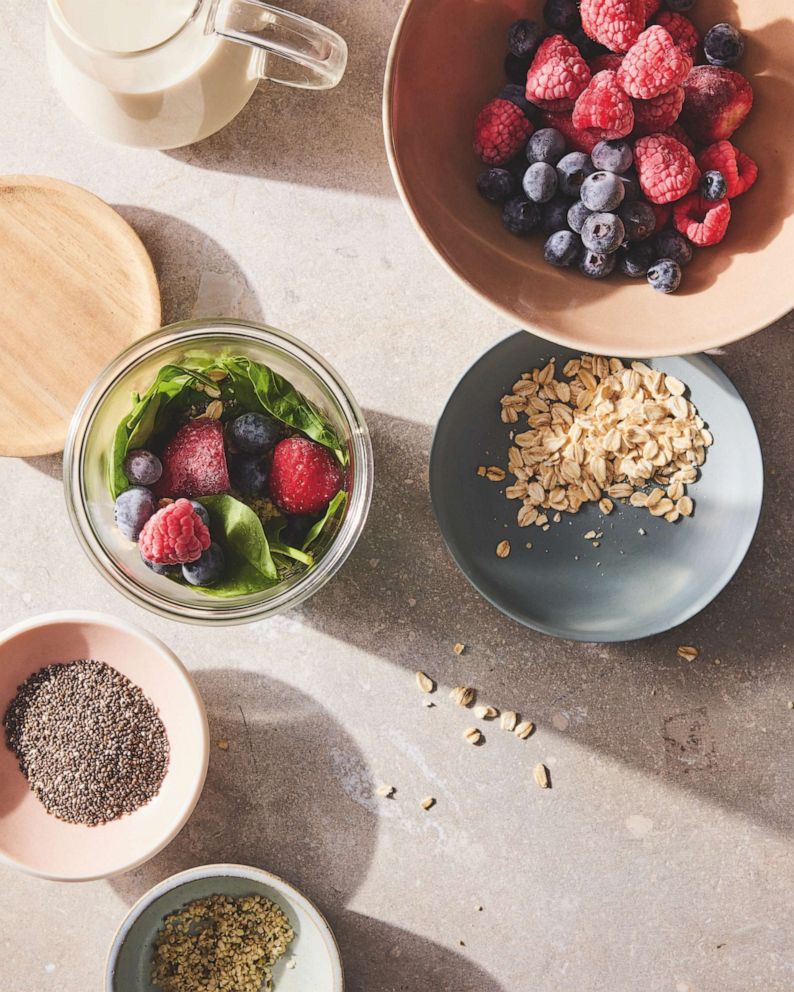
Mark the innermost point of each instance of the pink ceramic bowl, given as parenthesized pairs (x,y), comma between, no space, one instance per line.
(38,843)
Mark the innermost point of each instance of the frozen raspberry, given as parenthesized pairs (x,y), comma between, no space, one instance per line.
(651,6)
(739,170)
(304,476)
(663,212)
(652,116)
(703,222)
(174,535)
(614,23)
(682,31)
(654,65)
(677,132)
(604,108)
(558,74)
(194,462)
(577,139)
(716,102)
(608,61)
(500,132)
(665,168)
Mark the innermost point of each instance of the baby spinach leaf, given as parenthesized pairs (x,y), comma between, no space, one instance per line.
(333,507)
(249,562)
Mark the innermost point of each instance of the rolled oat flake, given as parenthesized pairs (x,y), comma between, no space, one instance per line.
(88,740)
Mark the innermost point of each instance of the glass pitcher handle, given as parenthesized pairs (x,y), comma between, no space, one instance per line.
(295,50)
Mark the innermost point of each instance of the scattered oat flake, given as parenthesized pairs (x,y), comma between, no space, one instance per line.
(222,745)
(503,549)
(494,473)
(486,712)
(463,695)
(428,802)
(524,729)
(459,648)
(687,652)
(541,775)
(590,535)
(508,720)
(473,735)
(386,791)
(425,683)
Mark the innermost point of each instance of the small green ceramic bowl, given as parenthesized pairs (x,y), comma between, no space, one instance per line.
(313,956)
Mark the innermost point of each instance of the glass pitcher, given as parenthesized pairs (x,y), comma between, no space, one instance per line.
(166,73)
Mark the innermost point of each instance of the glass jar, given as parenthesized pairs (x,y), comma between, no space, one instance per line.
(108,400)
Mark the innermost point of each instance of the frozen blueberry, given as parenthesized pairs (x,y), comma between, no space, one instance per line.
(577,215)
(546,145)
(602,191)
(255,433)
(588,48)
(613,156)
(540,182)
(520,216)
(133,508)
(596,266)
(562,15)
(562,248)
(516,69)
(142,468)
(297,530)
(572,170)
(639,220)
(603,233)
(713,185)
(202,512)
(497,185)
(665,275)
(207,569)
(516,93)
(631,187)
(161,569)
(635,259)
(723,45)
(680,5)
(555,214)
(523,38)
(671,244)
(248,474)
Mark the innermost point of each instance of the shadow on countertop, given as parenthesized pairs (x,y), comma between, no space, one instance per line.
(329,138)
(293,794)
(719,727)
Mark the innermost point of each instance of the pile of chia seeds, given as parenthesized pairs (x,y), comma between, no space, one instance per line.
(89,742)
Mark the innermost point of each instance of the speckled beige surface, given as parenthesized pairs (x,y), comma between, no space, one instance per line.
(660,860)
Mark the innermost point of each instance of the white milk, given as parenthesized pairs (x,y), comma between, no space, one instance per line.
(126,25)
(190,86)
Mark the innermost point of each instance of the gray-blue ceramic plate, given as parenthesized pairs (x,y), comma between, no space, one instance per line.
(632,585)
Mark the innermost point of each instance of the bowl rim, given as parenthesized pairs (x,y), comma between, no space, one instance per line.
(224,612)
(168,656)
(545,331)
(221,870)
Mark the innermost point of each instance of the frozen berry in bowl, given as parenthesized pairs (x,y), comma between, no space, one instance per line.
(523,38)
(723,45)
(515,93)
(595,265)
(639,220)
(546,145)
(133,508)
(603,233)
(254,433)
(195,547)
(500,132)
(142,468)
(614,155)
(680,6)
(562,15)
(572,170)
(671,244)
(562,248)
(636,258)
(540,182)
(602,191)
(664,275)
(496,185)
(614,23)
(555,214)
(521,216)
(713,185)
(577,215)
(717,101)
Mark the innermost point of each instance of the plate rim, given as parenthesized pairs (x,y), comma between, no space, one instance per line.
(697,605)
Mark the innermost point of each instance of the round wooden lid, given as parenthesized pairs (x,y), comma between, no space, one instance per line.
(76,288)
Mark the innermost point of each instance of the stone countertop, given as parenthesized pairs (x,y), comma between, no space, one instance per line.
(661,859)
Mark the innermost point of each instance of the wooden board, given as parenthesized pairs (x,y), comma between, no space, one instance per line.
(76,288)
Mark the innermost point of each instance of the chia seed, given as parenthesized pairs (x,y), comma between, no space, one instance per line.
(88,740)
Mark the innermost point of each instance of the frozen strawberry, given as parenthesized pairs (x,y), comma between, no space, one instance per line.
(614,23)
(175,535)
(603,107)
(660,113)
(606,61)
(194,462)
(304,476)
(716,102)
(653,65)
(739,170)
(500,132)
(682,31)
(702,221)
(665,168)
(576,139)
(558,74)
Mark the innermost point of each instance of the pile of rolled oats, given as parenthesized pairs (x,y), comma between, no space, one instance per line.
(610,432)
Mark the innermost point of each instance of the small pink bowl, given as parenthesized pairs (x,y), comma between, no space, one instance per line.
(38,843)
